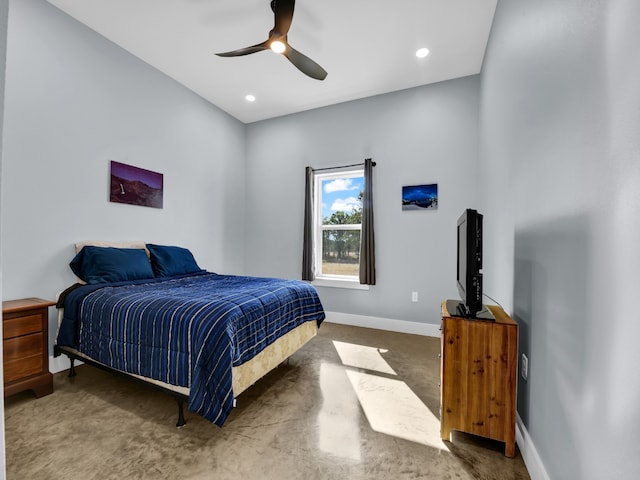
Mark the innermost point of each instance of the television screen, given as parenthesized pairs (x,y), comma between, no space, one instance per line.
(469,259)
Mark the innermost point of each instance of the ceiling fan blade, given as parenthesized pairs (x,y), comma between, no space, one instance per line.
(283,16)
(245,51)
(283,13)
(305,64)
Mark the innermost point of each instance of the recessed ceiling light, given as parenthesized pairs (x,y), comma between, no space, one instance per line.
(422,52)
(250,98)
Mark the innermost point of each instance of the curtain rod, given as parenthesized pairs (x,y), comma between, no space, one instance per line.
(343,166)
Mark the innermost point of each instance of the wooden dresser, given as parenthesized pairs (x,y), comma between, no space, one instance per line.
(479,361)
(25,342)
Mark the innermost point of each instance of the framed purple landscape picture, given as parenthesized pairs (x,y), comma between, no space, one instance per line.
(135,186)
(420,197)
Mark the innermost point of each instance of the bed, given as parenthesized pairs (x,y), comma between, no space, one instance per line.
(149,312)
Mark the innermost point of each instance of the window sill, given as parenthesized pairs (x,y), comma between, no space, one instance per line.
(334,283)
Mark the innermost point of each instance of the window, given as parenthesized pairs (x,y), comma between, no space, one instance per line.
(337,225)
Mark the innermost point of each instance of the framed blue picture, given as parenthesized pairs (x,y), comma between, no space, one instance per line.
(420,197)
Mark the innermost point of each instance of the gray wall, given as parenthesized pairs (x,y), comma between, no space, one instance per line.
(75,101)
(4,9)
(545,142)
(560,145)
(422,135)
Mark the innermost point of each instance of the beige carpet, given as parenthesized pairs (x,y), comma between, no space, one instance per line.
(353,404)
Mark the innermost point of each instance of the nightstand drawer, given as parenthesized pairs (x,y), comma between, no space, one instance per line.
(21,347)
(15,327)
(25,341)
(22,356)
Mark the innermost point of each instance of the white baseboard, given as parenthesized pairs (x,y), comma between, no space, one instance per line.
(529,453)
(401,326)
(61,363)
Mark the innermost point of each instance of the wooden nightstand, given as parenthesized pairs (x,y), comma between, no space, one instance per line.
(25,342)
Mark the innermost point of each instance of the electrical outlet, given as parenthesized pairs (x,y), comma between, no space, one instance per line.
(524,367)
(414,296)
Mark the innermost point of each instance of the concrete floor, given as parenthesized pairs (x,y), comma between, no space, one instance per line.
(353,404)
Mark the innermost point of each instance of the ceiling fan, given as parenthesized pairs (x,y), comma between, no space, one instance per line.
(277,41)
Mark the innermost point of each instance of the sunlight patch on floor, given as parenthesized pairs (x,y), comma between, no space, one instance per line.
(391,407)
(338,426)
(360,356)
(394,409)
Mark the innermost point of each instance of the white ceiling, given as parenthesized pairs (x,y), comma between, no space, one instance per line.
(367,46)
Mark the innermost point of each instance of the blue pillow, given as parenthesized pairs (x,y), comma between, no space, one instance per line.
(107,264)
(168,261)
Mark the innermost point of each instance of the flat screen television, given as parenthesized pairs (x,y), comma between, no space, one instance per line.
(469,272)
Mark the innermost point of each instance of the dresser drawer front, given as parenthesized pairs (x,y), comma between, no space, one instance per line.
(23,356)
(15,327)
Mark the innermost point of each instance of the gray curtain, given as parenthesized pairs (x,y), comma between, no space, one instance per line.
(367,241)
(307,241)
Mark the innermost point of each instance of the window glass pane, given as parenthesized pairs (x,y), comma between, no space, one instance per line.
(342,200)
(340,252)
(338,218)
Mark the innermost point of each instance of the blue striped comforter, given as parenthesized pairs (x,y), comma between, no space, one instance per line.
(187,331)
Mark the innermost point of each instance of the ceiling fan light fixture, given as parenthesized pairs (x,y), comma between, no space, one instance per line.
(278,46)
(422,52)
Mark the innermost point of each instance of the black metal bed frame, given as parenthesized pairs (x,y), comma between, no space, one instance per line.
(179,397)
